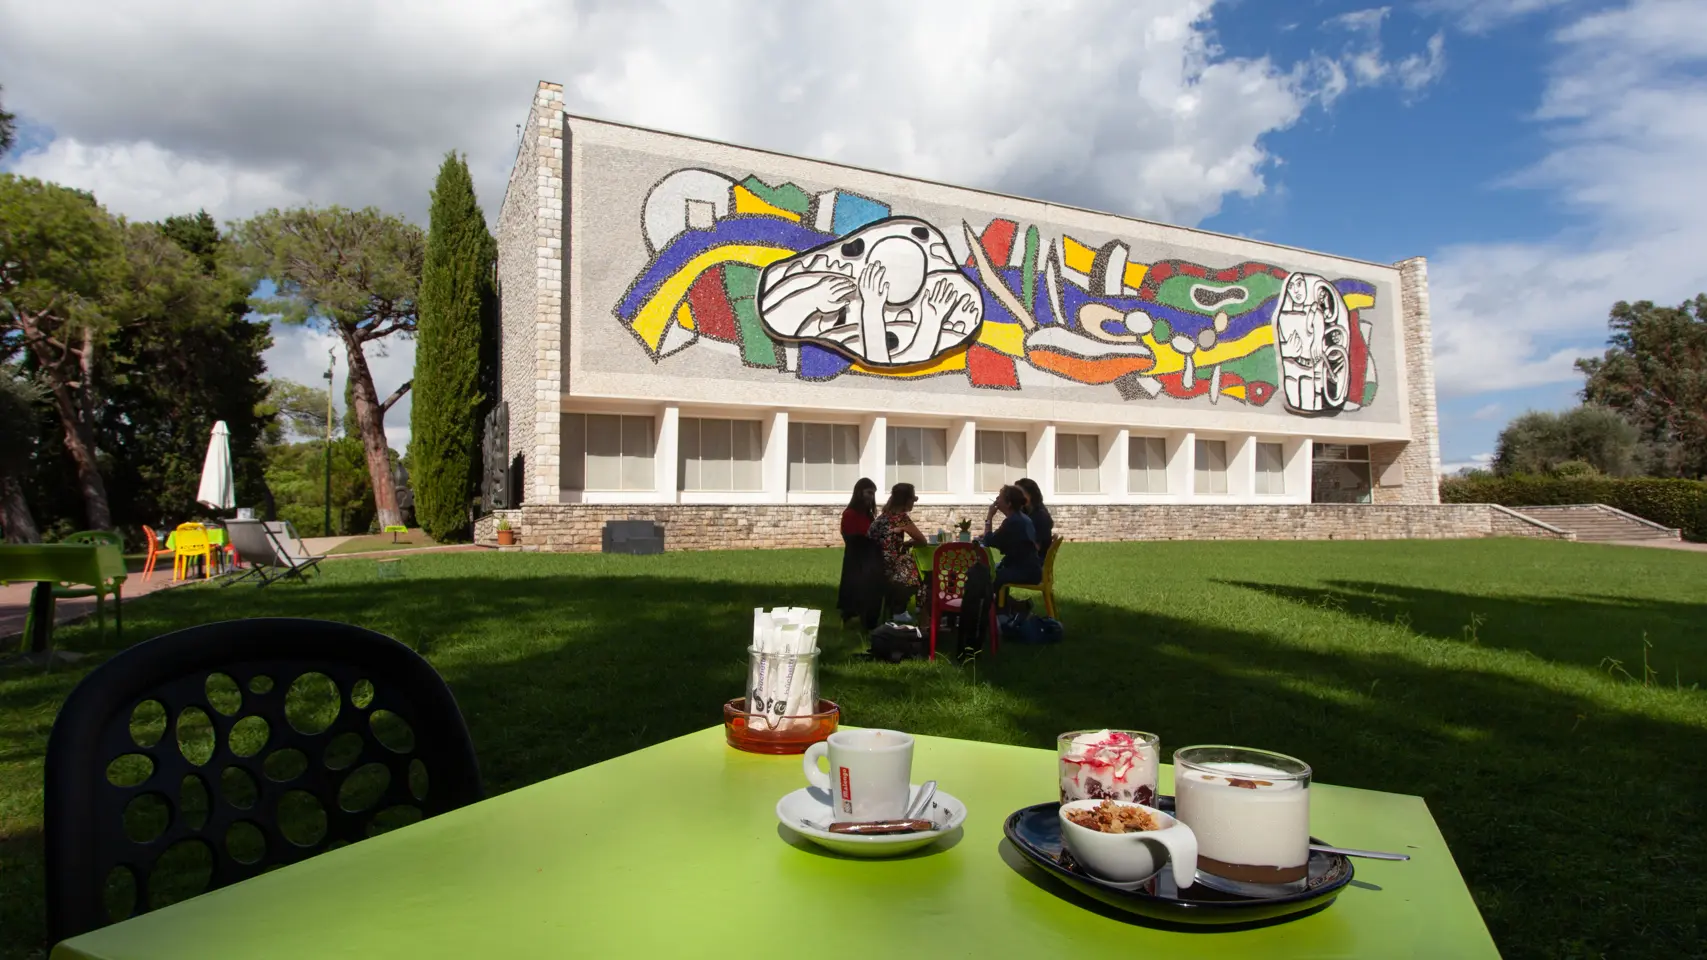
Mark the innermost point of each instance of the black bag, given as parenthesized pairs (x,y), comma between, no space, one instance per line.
(896,642)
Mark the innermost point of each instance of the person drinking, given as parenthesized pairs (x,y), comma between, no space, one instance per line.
(895,534)
(1015,537)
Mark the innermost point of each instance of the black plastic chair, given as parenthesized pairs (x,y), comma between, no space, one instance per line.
(222,751)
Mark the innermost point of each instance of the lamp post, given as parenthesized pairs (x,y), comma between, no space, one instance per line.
(331,363)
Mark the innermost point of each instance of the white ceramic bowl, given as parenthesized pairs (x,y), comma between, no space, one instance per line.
(1131,858)
(808,804)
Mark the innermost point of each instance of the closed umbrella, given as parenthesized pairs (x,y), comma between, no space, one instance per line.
(218,489)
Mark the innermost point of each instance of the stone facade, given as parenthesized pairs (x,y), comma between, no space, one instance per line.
(1420,459)
(531,239)
(578,527)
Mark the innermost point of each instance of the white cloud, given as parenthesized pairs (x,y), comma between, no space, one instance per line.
(299,353)
(1626,105)
(1487,412)
(239,106)
(1477,461)
(1480,16)
(1364,63)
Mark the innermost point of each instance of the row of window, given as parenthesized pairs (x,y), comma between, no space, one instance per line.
(615,452)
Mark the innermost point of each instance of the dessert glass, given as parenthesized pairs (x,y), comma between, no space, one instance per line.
(1108,765)
(1250,810)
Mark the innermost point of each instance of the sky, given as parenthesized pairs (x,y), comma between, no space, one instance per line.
(1544,155)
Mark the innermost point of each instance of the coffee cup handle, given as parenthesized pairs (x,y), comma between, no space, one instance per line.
(1181,844)
(817,777)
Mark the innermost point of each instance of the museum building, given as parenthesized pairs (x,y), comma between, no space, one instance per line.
(690,324)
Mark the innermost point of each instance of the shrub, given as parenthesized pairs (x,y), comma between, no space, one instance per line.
(1674,503)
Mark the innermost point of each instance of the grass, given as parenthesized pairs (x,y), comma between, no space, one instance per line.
(416,537)
(1543,697)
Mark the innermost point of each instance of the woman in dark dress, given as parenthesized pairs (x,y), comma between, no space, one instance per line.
(1016,538)
(1041,521)
(861,592)
(895,534)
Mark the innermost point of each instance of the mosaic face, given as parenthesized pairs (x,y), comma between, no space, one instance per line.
(1312,333)
(888,295)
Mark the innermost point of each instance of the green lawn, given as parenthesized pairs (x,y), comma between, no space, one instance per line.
(415,537)
(1502,680)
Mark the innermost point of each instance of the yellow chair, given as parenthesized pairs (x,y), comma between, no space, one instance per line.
(1047,587)
(189,542)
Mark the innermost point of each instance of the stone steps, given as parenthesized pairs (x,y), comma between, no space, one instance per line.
(1597,523)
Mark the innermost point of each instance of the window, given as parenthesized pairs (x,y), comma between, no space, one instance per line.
(719,455)
(1147,465)
(1339,473)
(1001,458)
(1078,463)
(607,452)
(1271,469)
(1211,467)
(919,456)
(823,457)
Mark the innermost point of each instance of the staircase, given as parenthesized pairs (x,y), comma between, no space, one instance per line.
(1593,522)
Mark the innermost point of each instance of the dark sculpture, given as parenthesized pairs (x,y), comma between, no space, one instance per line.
(495,491)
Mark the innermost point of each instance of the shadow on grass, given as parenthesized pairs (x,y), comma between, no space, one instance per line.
(1576,824)
(1577,629)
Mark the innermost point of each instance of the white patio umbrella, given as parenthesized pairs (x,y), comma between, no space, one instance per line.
(218,489)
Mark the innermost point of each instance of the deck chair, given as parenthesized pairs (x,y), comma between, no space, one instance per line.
(271,551)
(1047,587)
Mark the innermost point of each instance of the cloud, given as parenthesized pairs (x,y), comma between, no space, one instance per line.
(1363,62)
(1487,412)
(1477,461)
(1625,109)
(1480,16)
(240,106)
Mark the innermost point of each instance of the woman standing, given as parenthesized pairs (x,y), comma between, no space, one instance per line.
(861,592)
(895,534)
(1041,521)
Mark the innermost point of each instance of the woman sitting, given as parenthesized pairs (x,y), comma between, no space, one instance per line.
(1016,538)
(896,535)
(1041,521)
(861,592)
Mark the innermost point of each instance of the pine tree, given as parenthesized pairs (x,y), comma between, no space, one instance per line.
(456,290)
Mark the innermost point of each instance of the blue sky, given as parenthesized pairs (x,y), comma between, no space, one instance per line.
(1543,154)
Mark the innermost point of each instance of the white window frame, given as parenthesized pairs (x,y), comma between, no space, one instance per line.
(692,434)
(892,469)
(631,428)
(1199,446)
(839,471)
(1008,472)
(1150,470)
(1071,480)
(1270,483)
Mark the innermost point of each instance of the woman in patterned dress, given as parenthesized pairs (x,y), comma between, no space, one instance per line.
(896,535)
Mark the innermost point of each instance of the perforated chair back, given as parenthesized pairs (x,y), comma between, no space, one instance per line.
(950,563)
(209,755)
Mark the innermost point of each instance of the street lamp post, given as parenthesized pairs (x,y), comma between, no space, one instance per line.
(331,363)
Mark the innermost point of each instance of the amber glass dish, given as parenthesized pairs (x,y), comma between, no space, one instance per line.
(760,734)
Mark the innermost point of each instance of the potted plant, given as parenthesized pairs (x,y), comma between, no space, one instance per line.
(506,536)
(965,526)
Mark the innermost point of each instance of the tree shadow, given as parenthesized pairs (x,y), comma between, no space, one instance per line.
(1585,630)
(1572,813)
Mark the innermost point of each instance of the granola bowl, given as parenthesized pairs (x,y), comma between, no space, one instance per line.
(1127,843)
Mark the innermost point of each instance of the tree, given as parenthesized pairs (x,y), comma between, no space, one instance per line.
(8,131)
(359,273)
(1655,373)
(1591,436)
(19,398)
(297,412)
(456,295)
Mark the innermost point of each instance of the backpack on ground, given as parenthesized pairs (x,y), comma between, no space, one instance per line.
(896,642)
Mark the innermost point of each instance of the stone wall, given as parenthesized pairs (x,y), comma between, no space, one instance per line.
(530,280)
(1421,457)
(578,527)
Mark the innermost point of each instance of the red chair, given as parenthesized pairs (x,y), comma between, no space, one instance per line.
(156,550)
(949,566)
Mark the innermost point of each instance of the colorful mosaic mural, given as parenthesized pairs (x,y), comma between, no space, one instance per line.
(835,285)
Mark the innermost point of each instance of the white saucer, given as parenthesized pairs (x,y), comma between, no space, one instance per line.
(810,803)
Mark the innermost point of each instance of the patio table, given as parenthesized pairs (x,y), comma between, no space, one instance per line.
(925,555)
(86,564)
(215,536)
(675,851)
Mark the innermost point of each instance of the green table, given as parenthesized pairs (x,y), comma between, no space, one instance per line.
(49,563)
(674,851)
(215,536)
(925,556)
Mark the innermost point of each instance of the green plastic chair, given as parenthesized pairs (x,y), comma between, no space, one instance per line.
(98,591)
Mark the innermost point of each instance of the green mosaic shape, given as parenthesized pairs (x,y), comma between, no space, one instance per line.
(1175,292)
(1028,270)
(741,282)
(787,196)
(1263,364)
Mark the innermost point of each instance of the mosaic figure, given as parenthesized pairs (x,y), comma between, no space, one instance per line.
(1312,332)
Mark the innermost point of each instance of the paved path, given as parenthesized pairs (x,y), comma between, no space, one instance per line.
(1662,544)
(317,546)
(15,602)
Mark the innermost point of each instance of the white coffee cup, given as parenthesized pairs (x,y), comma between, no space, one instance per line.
(870,773)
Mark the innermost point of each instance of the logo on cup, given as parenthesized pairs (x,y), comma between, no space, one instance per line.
(847,790)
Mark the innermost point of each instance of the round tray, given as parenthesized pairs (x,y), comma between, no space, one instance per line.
(1036,832)
(777,735)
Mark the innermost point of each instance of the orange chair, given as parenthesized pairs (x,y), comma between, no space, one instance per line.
(950,564)
(1047,587)
(190,542)
(156,549)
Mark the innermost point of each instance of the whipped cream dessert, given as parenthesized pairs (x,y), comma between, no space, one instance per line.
(1252,822)
(1109,765)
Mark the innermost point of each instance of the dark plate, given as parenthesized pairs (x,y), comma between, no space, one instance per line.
(1036,833)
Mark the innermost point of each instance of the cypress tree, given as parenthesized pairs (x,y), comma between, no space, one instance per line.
(456,290)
